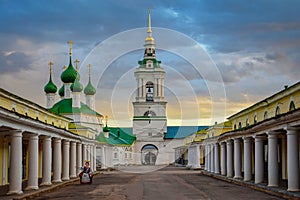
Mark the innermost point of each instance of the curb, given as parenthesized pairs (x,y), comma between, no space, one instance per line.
(51,188)
(272,191)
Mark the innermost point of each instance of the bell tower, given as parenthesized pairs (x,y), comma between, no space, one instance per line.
(149,121)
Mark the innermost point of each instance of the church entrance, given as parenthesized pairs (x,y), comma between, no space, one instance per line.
(149,154)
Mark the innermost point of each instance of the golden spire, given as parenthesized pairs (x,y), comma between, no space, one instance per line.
(106,119)
(64,67)
(149,36)
(70,43)
(76,62)
(89,68)
(149,20)
(50,64)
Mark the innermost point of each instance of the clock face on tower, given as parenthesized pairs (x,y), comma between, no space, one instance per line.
(149,64)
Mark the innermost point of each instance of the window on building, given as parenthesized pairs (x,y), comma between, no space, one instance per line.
(247,122)
(266,115)
(240,125)
(292,106)
(125,155)
(115,155)
(255,119)
(234,127)
(277,111)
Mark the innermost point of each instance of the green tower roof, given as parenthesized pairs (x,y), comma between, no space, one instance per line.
(61,91)
(70,74)
(89,89)
(76,86)
(106,129)
(50,87)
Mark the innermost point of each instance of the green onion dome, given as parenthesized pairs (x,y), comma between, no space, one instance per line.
(70,74)
(61,91)
(50,87)
(76,86)
(106,129)
(89,89)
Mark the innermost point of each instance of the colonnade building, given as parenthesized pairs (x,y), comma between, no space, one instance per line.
(37,147)
(262,145)
(40,146)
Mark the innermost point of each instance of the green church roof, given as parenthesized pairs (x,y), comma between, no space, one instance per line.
(50,87)
(61,91)
(89,89)
(143,62)
(106,129)
(76,86)
(117,136)
(70,74)
(64,106)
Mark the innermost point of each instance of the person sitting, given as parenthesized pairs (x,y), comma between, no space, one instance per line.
(87,170)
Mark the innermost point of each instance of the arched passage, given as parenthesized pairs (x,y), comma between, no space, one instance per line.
(149,154)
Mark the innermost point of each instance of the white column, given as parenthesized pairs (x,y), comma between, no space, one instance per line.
(138,89)
(259,159)
(33,164)
(217,158)
(57,160)
(47,161)
(95,158)
(237,159)
(73,160)
(229,158)
(15,176)
(79,158)
(66,160)
(293,160)
(223,158)
(206,155)
(92,157)
(84,158)
(212,158)
(208,158)
(89,153)
(103,160)
(197,156)
(162,88)
(247,158)
(272,159)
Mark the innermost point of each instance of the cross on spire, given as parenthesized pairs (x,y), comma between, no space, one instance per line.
(76,62)
(89,68)
(50,64)
(70,42)
(106,119)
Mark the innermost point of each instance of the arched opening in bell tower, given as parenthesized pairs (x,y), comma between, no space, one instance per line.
(149,91)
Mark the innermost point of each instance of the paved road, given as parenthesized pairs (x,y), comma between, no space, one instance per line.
(167,183)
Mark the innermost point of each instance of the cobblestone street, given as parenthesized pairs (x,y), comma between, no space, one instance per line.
(166,183)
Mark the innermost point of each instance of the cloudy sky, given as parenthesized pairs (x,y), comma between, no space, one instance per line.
(220,56)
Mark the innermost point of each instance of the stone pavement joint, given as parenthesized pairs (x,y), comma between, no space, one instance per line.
(269,190)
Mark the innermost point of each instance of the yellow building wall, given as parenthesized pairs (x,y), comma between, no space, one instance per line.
(283,103)
(22,109)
